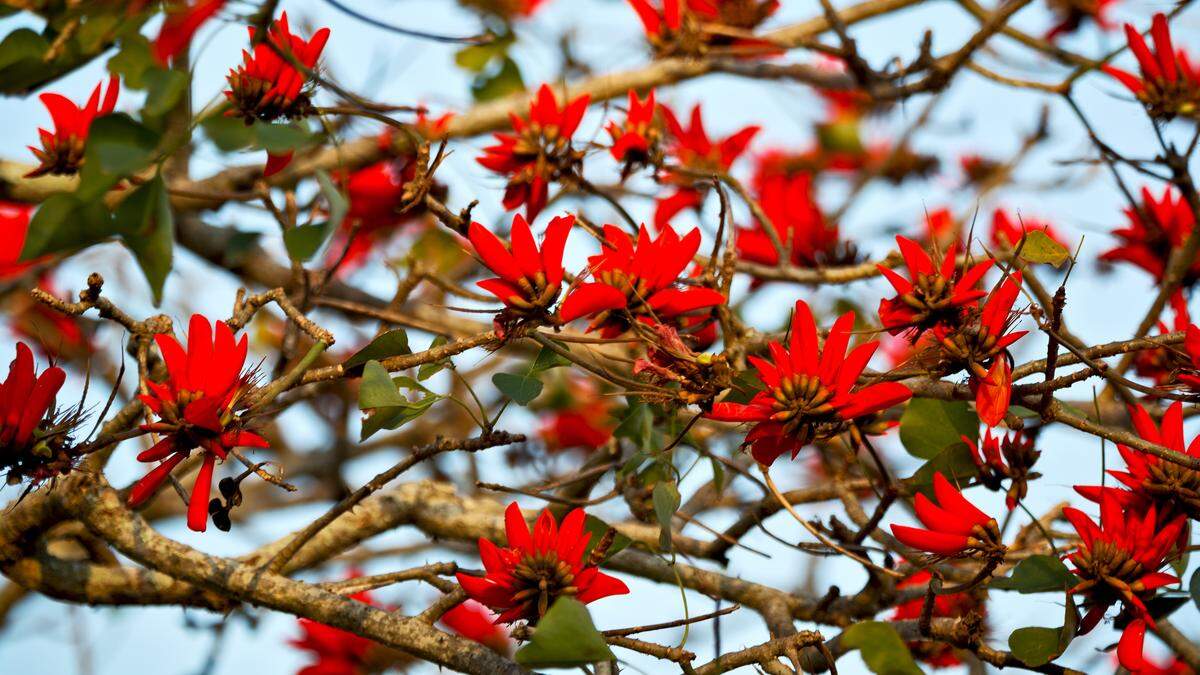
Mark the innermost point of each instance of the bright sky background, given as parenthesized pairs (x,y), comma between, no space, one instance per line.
(978,116)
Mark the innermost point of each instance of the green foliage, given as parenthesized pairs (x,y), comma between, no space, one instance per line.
(598,528)
(520,388)
(955,463)
(666,503)
(929,426)
(391,343)
(1037,646)
(881,648)
(147,228)
(1037,574)
(564,638)
(379,394)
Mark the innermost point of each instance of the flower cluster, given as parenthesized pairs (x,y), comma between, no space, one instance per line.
(538,151)
(1156,228)
(636,142)
(524,578)
(696,155)
(197,408)
(528,279)
(268,85)
(1169,84)
(931,297)
(1005,457)
(954,526)
(62,149)
(811,392)
(693,27)
(180,25)
(807,238)
(33,444)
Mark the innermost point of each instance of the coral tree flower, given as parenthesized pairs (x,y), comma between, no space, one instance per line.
(32,443)
(955,526)
(538,151)
(196,409)
(527,279)
(679,26)
(635,142)
(638,282)
(1119,561)
(525,578)
(14,228)
(1154,231)
(475,622)
(1160,363)
(267,86)
(339,652)
(930,296)
(1005,456)
(945,606)
(811,393)
(1007,232)
(693,150)
(1169,84)
(180,26)
(1149,479)
(584,421)
(62,150)
(808,239)
(1072,14)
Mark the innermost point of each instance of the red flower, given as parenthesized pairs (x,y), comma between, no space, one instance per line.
(638,282)
(978,169)
(929,297)
(1170,84)
(796,217)
(1118,561)
(584,422)
(266,86)
(196,408)
(181,24)
(956,527)
(635,141)
(941,228)
(538,151)
(695,151)
(534,570)
(1007,456)
(57,335)
(678,24)
(1073,13)
(337,652)
(1157,228)
(1160,363)
(32,444)
(1006,232)
(433,128)
(1150,479)
(527,280)
(506,9)
(476,622)
(62,150)
(14,227)
(946,606)
(811,392)
(987,341)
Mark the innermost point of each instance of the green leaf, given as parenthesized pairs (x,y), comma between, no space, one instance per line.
(117,147)
(164,89)
(303,241)
(955,463)
(520,388)
(504,81)
(428,370)
(1037,646)
(391,343)
(718,472)
(881,647)
(637,425)
(666,503)
(1037,574)
(280,138)
(147,228)
(1040,248)
(338,203)
(21,62)
(63,223)
(376,389)
(547,359)
(929,426)
(133,61)
(564,638)
(477,57)
(598,528)
(1194,587)
(378,393)
(228,133)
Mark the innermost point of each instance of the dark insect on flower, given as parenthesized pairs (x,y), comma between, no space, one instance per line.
(180,25)
(34,443)
(811,393)
(197,408)
(636,142)
(268,86)
(963,605)
(639,282)
(1155,229)
(1119,561)
(1005,457)
(62,150)
(1149,479)
(538,151)
(525,578)
(931,296)
(697,155)
(1169,84)
(956,527)
(475,622)
(528,280)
